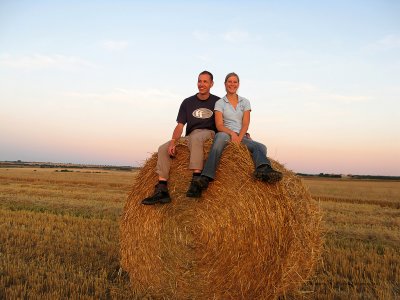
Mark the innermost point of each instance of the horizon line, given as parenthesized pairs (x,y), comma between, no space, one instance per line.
(60,164)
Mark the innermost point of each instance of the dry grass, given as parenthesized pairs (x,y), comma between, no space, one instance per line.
(368,190)
(59,234)
(49,256)
(362,251)
(80,193)
(68,246)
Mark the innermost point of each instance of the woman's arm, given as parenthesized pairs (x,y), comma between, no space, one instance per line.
(219,122)
(245,124)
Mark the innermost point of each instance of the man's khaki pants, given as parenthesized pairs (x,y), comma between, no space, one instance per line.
(196,141)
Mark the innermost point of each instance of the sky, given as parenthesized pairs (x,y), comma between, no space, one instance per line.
(101,82)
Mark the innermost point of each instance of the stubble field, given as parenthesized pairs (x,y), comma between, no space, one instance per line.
(59,236)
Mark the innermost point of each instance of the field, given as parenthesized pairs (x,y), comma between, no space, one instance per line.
(59,236)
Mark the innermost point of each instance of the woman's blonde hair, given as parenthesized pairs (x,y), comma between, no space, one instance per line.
(231,74)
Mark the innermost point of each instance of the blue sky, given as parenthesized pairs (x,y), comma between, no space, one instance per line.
(101,81)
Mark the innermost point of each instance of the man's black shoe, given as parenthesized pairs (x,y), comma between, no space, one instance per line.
(266,173)
(160,195)
(194,190)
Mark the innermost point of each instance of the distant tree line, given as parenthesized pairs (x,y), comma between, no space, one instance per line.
(376,177)
(21,164)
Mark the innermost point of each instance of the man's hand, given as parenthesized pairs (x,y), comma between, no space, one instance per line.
(171,148)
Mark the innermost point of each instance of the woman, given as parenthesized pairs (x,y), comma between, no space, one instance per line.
(232,118)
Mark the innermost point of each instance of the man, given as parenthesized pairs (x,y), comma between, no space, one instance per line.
(197,113)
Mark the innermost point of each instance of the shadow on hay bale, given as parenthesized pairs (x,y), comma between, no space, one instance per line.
(244,239)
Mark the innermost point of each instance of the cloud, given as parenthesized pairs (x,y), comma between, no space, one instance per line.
(130,96)
(349,99)
(233,36)
(236,36)
(313,93)
(40,61)
(112,45)
(390,41)
(298,87)
(202,36)
(203,58)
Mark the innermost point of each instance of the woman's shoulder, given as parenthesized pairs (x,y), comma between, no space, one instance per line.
(220,104)
(222,100)
(243,99)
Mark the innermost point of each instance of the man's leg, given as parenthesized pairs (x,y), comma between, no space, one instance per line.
(163,162)
(263,169)
(161,194)
(196,147)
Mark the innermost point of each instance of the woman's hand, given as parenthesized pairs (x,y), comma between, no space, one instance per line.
(235,138)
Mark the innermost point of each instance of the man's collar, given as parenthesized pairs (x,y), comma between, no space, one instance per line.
(208,97)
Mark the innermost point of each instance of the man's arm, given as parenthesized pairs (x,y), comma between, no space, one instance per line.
(175,136)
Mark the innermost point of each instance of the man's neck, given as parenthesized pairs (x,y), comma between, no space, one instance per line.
(203,96)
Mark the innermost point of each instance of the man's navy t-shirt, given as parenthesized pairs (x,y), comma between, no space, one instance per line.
(197,114)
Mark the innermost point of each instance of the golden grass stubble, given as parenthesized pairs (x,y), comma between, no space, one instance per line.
(102,199)
(367,190)
(361,257)
(44,255)
(362,252)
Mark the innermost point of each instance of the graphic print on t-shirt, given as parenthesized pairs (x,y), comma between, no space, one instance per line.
(197,113)
(202,113)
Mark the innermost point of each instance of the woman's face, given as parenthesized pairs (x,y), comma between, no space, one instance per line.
(232,85)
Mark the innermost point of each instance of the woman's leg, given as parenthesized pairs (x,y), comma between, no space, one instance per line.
(263,170)
(219,143)
(258,152)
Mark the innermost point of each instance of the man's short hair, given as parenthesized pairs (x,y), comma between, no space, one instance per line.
(207,73)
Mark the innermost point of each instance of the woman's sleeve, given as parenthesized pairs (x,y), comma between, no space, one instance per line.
(247,105)
(219,106)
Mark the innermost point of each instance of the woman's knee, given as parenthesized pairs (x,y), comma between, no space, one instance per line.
(221,139)
(260,147)
(263,148)
(253,145)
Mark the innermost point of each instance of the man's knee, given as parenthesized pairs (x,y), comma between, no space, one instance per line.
(198,138)
(163,148)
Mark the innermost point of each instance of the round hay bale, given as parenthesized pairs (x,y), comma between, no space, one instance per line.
(244,239)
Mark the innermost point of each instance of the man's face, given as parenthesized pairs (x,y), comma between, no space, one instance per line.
(204,84)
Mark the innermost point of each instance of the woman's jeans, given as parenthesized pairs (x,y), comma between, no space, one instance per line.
(258,153)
